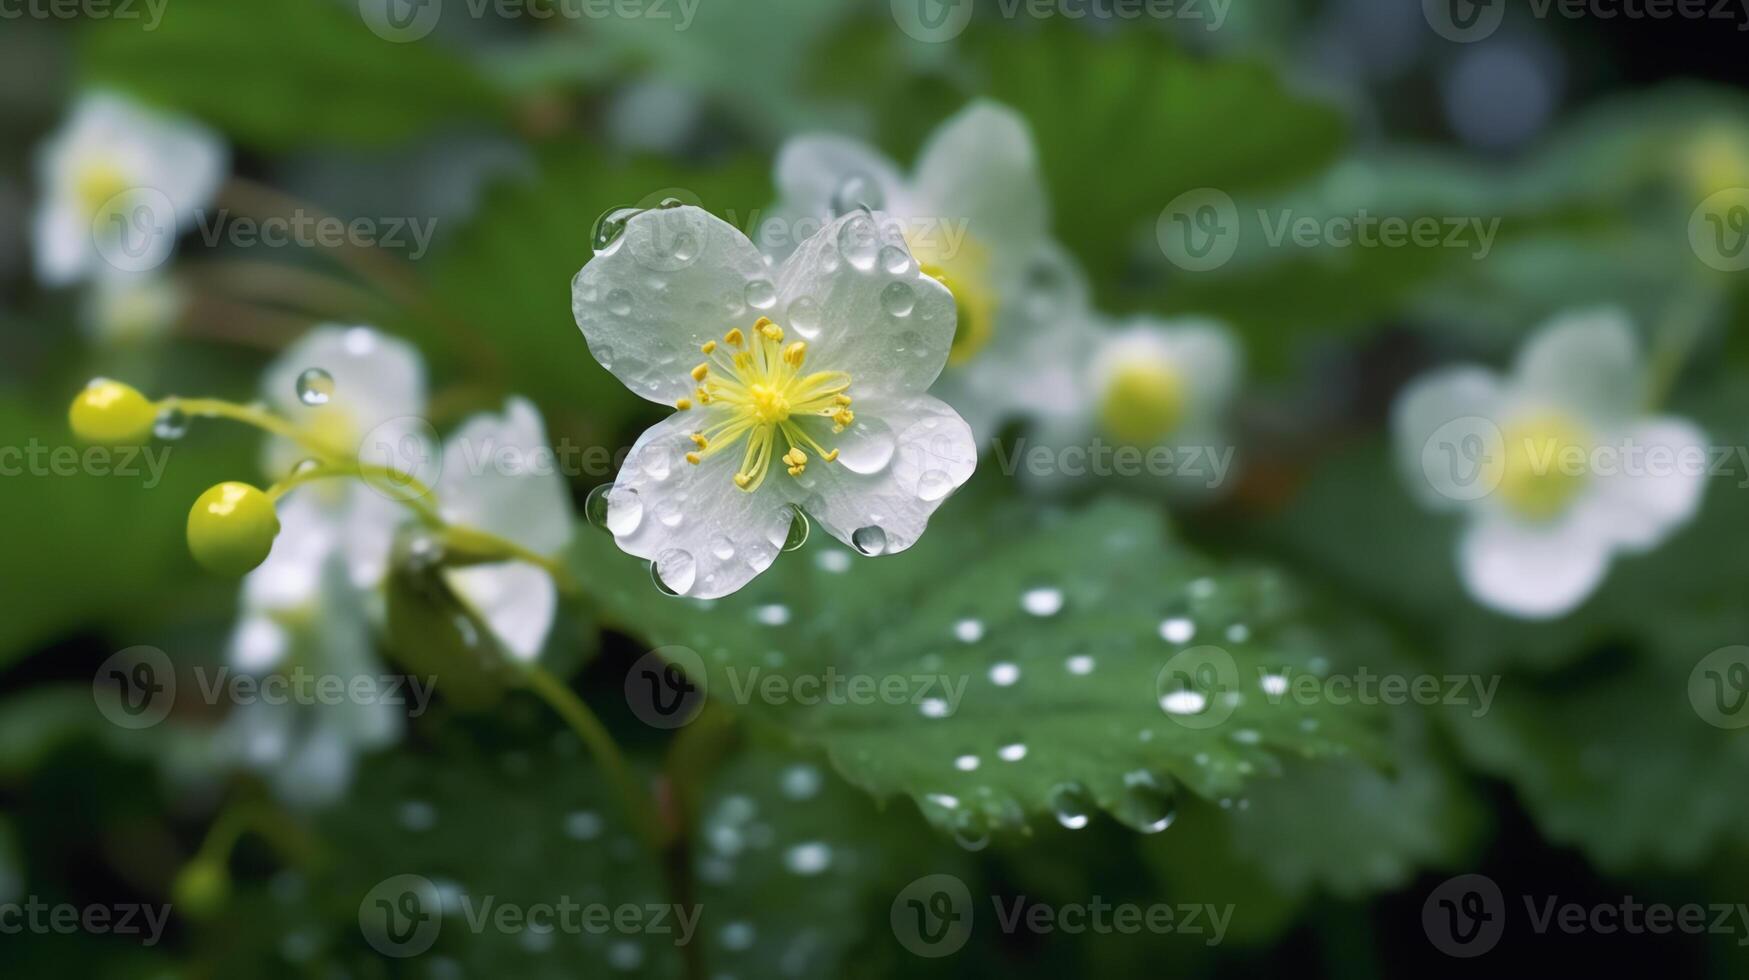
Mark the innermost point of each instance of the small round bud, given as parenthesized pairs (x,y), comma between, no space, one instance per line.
(231,528)
(201,889)
(111,413)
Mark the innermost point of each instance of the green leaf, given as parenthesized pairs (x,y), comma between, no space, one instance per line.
(1057,693)
(295,73)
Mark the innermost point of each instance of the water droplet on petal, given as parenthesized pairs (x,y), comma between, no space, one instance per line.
(617,508)
(674,571)
(722,549)
(761,295)
(866,447)
(619,302)
(315,386)
(804,317)
(869,540)
(934,485)
(610,229)
(895,260)
(669,512)
(172,423)
(858,241)
(898,299)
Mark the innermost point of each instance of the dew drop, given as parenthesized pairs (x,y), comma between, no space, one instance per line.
(898,299)
(1080,665)
(669,513)
(895,260)
(582,825)
(619,302)
(610,229)
(1072,805)
(674,571)
(804,317)
(966,762)
(315,386)
(1042,600)
(1274,685)
(1183,701)
(1004,674)
(737,936)
(1146,805)
(968,630)
(1013,751)
(171,424)
(761,295)
(870,540)
(858,241)
(857,190)
(615,508)
(722,549)
(801,782)
(866,447)
(798,531)
(772,614)
(933,708)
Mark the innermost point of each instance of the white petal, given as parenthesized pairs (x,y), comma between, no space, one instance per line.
(1648,500)
(516,599)
(376,377)
(981,167)
(1444,425)
(1034,367)
(1585,362)
(675,278)
(813,169)
(854,293)
(291,579)
(890,477)
(499,475)
(65,250)
(707,536)
(1533,571)
(369,519)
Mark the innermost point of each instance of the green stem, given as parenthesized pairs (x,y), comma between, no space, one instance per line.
(638,807)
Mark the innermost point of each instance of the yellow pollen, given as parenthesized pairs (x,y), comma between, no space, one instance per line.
(1143,402)
(762,399)
(1543,467)
(96,184)
(683,403)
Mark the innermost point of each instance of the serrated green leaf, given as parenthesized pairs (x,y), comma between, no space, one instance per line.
(1058,687)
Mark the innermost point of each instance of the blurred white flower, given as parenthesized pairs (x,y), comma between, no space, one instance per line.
(498,477)
(1151,399)
(118,182)
(129,309)
(975,216)
(818,368)
(1556,465)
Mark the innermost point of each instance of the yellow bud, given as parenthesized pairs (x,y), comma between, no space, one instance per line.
(111,413)
(202,889)
(231,528)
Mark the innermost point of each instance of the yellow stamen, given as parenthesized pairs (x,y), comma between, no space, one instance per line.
(793,354)
(709,346)
(693,458)
(699,440)
(734,337)
(683,403)
(698,373)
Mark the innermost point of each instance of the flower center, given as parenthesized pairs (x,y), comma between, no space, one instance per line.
(97,183)
(756,388)
(964,268)
(1143,402)
(1540,476)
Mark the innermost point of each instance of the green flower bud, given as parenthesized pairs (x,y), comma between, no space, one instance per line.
(231,528)
(111,413)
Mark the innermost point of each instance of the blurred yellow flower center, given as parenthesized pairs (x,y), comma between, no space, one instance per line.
(754,387)
(965,270)
(1543,468)
(1716,159)
(1143,402)
(97,183)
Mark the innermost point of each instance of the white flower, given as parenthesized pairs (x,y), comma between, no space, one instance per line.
(498,477)
(1556,465)
(119,181)
(1151,403)
(128,309)
(975,216)
(817,369)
